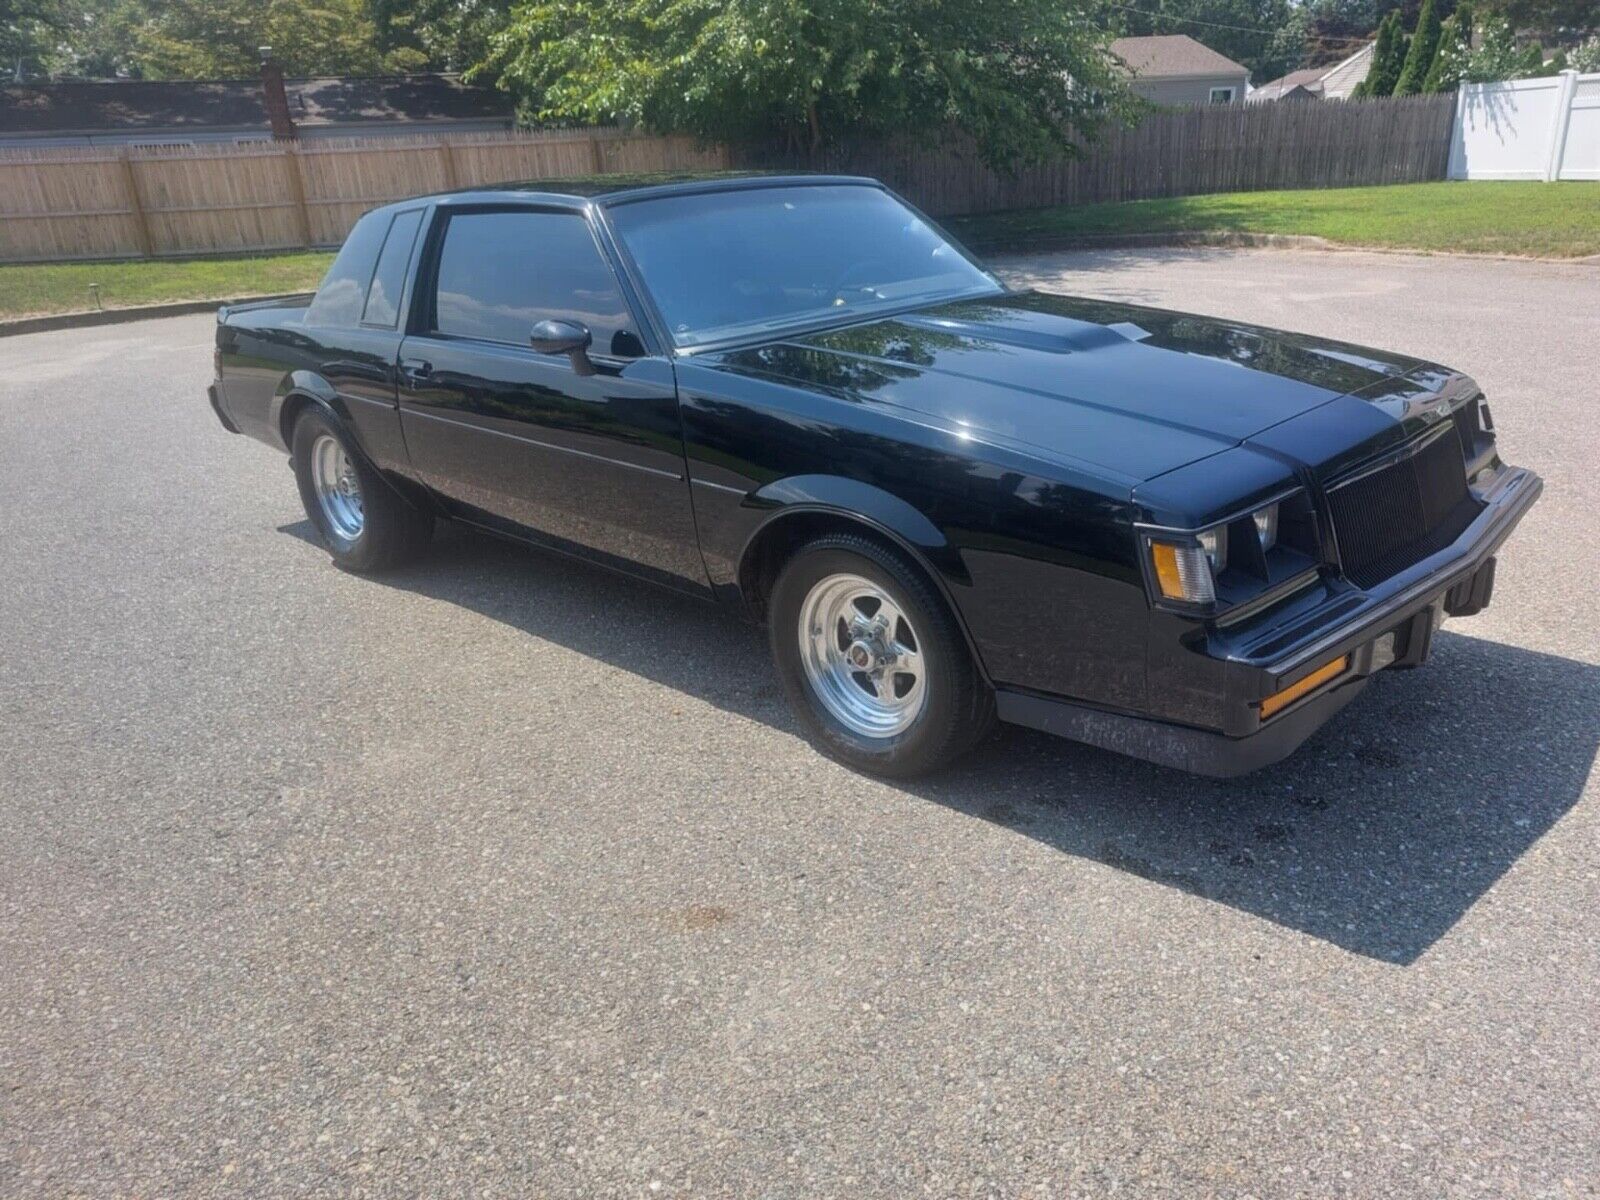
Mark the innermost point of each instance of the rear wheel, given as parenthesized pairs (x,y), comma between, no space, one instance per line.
(872,660)
(365,524)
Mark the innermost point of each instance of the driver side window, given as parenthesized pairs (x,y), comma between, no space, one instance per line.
(500,273)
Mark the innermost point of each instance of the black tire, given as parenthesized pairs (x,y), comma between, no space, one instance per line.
(957,709)
(392,529)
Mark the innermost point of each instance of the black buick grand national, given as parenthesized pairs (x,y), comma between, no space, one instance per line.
(1181,538)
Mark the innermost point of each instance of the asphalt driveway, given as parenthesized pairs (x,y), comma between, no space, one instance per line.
(500,876)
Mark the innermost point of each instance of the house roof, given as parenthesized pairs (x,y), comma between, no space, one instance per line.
(141,104)
(1309,79)
(1334,80)
(1344,77)
(1172,56)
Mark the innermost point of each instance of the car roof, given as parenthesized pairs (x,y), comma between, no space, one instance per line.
(581,190)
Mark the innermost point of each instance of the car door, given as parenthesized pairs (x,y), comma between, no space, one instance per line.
(523,441)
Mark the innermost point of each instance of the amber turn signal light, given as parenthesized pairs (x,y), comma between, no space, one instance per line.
(1310,683)
(1182,573)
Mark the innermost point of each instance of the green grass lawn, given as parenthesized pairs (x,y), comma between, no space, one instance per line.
(29,288)
(1554,220)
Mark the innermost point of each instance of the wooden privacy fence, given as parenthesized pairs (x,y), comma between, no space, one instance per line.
(1171,152)
(119,202)
(112,202)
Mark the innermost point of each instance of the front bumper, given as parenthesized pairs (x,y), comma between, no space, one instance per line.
(1254,665)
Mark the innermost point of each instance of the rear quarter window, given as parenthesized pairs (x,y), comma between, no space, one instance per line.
(383,297)
(343,292)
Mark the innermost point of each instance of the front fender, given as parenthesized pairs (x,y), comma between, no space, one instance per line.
(736,528)
(766,522)
(862,501)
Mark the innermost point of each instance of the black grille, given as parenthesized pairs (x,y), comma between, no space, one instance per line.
(1466,419)
(1401,513)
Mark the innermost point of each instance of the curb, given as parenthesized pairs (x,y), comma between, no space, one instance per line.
(117,316)
(1273,241)
(1141,241)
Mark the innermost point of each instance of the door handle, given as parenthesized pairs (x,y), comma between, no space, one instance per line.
(416,370)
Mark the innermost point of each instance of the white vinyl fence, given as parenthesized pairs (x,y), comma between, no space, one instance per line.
(1528,129)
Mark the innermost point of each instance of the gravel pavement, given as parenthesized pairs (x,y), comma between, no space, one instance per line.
(501,876)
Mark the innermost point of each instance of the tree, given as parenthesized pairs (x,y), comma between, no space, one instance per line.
(1334,28)
(1530,61)
(1388,58)
(1286,51)
(1569,17)
(456,35)
(1496,56)
(1419,57)
(33,36)
(1023,77)
(1450,63)
(102,41)
(1265,36)
(212,39)
(1586,58)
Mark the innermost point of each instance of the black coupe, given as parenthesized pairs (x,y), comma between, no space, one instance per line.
(1181,538)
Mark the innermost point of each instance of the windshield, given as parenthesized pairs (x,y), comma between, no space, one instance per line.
(725,264)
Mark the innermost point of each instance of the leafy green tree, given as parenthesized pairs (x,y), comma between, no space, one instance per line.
(1285,52)
(1450,63)
(1024,78)
(1334,28)
(1388,58)
(1421,53)
(1569,17)
(394,27)
(1586,58)
(1265,36)
(212,39)
(34,36)
(102,41)
(455,35)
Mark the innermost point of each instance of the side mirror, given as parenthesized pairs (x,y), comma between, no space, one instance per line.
(564,337)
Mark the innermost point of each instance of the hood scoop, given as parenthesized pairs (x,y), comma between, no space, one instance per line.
(1060,335)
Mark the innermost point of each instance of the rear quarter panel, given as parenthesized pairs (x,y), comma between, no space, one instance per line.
(269,355)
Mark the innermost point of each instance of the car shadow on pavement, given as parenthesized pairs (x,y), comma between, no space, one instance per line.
(1378,835)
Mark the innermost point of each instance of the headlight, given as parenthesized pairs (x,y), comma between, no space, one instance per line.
(1232,560)
(1266,522)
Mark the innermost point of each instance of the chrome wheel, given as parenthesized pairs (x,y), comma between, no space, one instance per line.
(338,488)
(862,658)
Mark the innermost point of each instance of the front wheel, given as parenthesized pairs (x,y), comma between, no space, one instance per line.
(872,660)
(365,524)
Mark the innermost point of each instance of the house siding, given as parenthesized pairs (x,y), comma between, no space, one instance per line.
(1191,90)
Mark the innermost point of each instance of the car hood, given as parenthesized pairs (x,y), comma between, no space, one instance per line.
(1130,390)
